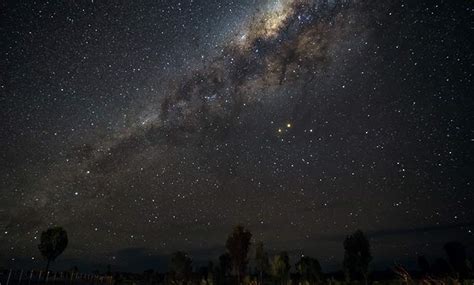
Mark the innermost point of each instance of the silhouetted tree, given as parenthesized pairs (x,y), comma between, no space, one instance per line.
(181,265)
(225,264)
(223,269)
(280,267)
(53,242)
(203,271)
(424,265)
(441,268)
(148,275)
(357,256)
(211,276)
(309,269)
(457,258)
(238,244)
(206,273)
(261,261)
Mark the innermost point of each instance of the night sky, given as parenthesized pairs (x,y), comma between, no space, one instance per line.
(146,127)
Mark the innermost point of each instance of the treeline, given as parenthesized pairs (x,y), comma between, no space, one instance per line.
(232,267)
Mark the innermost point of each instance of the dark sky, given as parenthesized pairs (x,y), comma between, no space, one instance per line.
(146,127)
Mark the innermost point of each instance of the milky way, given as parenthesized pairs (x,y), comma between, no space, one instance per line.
(151,127)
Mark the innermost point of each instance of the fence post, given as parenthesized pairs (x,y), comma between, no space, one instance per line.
(47,277)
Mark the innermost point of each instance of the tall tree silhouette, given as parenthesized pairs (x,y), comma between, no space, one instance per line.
(424,265)
(357,256)
(261,261)
(53,242)
(457,258)
(238,244)
(280,267)
(309,270)
(181,265)
(224,268)
(211,273)
(441,268)
(225,264)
